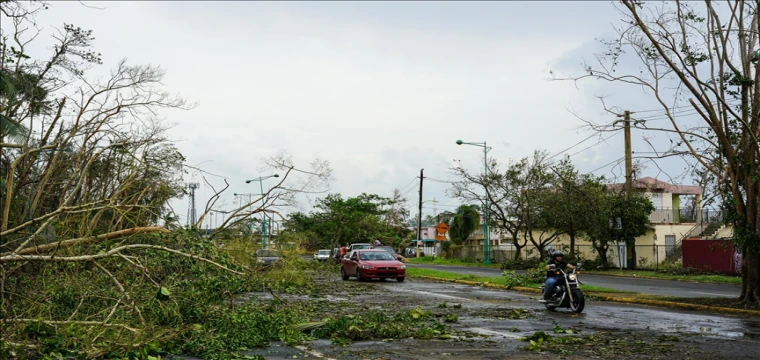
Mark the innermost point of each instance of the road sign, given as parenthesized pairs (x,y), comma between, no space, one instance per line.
(441,230)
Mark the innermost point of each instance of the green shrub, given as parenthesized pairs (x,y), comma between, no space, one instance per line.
(520,264)
(677,268)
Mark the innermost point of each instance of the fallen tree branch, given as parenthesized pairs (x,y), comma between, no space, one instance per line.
(88,239)
(123,291)
(53,322)
(113,252)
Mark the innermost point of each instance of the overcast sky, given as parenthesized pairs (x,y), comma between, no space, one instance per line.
(380,89)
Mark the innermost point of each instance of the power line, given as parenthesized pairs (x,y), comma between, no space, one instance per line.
(683,107)
(680,113)
(438,180)
(578,143)
(600,141)
(608,164)
(407,185)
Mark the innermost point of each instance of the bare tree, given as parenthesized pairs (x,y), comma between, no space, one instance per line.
(85,185)
(515,199)
(700,66)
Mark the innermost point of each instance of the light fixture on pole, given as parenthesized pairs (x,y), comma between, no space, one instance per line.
(263,222)
(486,232)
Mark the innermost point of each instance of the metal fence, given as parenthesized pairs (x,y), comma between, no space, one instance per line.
(676,216)
(618,255)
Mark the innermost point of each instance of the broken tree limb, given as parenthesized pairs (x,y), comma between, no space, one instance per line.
(113,252)
(88,239)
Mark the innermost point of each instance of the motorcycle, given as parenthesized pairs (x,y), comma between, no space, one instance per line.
(566,294)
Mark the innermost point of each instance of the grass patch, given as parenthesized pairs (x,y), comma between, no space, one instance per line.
(714,279)
(454,276)
(439,261)
(602,344)
(501,280)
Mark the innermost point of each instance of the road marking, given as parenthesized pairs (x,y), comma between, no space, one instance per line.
(434,294)
(496,332)
(704,293)
(313,352)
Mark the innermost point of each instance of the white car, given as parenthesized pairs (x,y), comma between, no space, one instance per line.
(322,255)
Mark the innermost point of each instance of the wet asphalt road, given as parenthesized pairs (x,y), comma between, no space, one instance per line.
(485,311)
(644,286)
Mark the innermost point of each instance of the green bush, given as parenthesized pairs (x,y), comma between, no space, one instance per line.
(535,275)
(376,324)
(677,268)
(520,264)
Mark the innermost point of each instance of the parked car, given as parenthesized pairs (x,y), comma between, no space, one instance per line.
(322,255)
(412,252)
(266,257)
(357,246)
(365,264)
(390,250)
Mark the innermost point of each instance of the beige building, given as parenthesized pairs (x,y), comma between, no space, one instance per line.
(678,215)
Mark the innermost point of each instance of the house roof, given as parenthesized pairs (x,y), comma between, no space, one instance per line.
(652,184)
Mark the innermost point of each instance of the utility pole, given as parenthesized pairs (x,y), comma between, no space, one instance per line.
(435,209)
(628,152)
(419,216)
(191,218)
(628,178)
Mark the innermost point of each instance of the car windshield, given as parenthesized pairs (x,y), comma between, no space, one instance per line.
(386,248)
(357,247)
(324,252)
(375,255)
(267,253)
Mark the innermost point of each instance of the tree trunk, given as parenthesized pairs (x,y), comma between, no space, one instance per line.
(750,275)
(632,260)
(572,242)
(518,250)
(602,252)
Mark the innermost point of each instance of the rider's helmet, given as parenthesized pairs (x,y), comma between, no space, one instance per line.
(557,253)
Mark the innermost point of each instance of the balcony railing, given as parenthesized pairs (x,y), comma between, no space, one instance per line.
(677,216)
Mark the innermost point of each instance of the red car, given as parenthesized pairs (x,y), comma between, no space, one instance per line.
(368,264)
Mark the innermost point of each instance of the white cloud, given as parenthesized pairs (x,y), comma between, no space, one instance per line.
(379,91)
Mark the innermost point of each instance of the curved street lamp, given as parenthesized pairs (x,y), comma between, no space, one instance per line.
(486,232)
(263,223)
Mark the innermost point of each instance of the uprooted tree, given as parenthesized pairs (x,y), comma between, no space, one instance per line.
(87,171)
(700,64)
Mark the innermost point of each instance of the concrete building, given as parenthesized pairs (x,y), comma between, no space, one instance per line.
(678,215)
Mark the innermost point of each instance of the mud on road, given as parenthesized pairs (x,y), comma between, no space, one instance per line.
(489,324)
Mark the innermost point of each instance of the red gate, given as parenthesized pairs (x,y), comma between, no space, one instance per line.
(712,255)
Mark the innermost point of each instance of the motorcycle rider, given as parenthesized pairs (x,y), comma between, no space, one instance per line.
(551,275)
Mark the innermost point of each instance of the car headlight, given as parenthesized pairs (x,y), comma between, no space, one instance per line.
(402,267)
(367,267)
(571,277)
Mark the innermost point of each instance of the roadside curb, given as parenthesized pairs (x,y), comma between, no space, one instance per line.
(672,304)
(601,273)
(656,278)
(630,300)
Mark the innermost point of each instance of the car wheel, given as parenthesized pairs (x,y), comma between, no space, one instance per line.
(359,275)
(343,274)
(400,279)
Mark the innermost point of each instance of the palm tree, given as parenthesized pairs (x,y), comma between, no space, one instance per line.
(466,220)
(8,127)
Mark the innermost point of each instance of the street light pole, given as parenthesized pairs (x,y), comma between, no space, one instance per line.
(250,224)
(486,231)
(263,222)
